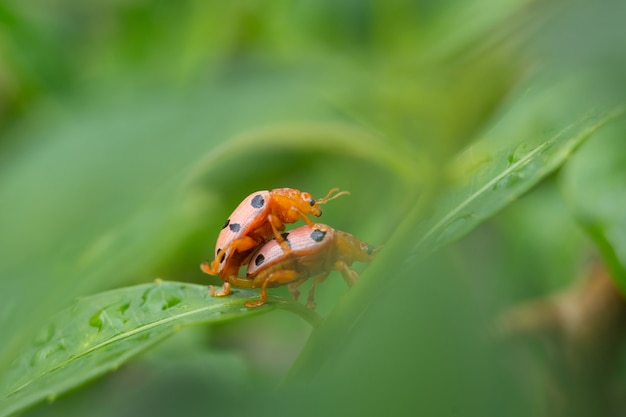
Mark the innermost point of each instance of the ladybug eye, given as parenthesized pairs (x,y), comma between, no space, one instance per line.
(368,249)
(307,197)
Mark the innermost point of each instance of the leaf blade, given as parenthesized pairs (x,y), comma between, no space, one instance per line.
(483,198)
(101,332)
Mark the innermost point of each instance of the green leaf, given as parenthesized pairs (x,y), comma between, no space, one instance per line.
(594,186)
(495,171)
(101,332)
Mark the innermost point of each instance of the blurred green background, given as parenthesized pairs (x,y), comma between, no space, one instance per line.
(129,130)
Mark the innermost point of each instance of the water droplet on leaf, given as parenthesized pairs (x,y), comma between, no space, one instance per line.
(517,153)
(171,302)
(96,321)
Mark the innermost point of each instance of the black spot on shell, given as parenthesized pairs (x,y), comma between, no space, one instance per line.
(318,235)
(218,251)
(259,259)
(234,227)
(223,257)
(284,236)
(226,224)
(258,201)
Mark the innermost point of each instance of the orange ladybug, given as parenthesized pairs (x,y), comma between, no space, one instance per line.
(259,217)
(316,250)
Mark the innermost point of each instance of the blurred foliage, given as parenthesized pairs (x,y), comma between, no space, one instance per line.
(130,129)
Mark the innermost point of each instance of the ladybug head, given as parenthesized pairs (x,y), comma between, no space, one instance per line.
(309,205)
(287,198)
(353,249)
(367,252)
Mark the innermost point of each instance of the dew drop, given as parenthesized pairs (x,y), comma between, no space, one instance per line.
(59,347)
(123,308)
(96,321)
(144,337)
(161,298)
(35,359)
(517,153)
(508,181)
(144,297)
(171,302)
(47,353)
(45,335)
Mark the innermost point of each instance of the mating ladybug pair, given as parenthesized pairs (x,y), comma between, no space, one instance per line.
(252,236)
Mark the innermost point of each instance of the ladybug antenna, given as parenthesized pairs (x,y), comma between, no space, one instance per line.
(328,197)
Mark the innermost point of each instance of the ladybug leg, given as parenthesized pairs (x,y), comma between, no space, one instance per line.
(277,278)
(294,213)
(225,290)
(311,298)
(230,281)
(349,275)
(206,267)
(304,217)
(240,245)
(293,289)
(276,224)
(243,244)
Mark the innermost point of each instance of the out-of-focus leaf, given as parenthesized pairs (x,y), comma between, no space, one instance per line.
(336,138)
(512,158)
(420,344)
(594,184)
(101,332)
(401,306)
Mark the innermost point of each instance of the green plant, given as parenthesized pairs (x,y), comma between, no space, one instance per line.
(113,193)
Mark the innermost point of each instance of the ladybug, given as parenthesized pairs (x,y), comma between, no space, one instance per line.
(259,217)
(316,250)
